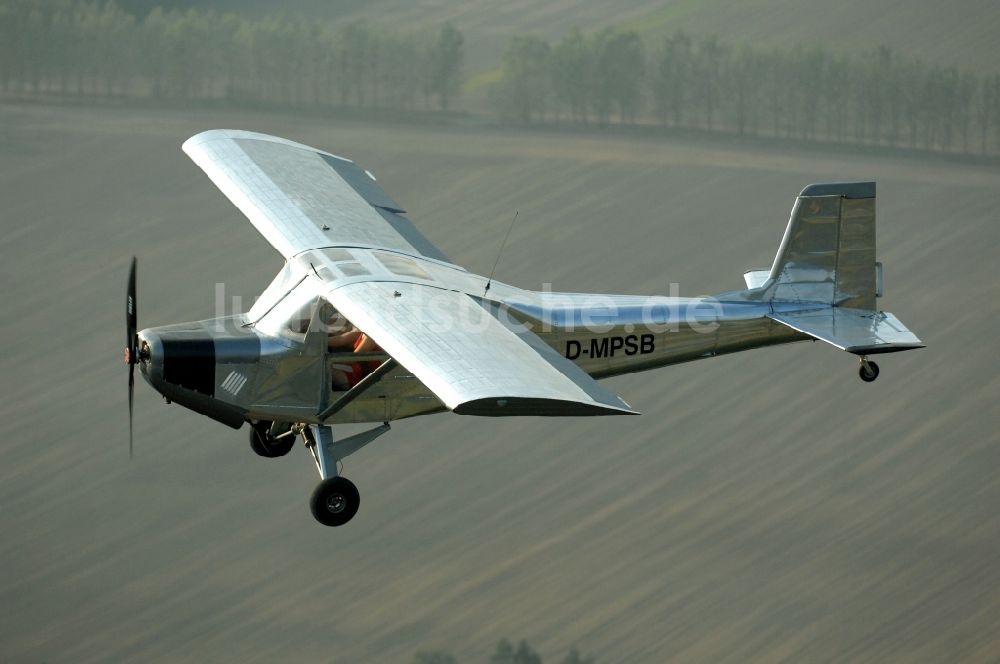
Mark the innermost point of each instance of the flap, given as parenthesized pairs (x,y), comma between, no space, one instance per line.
(470,355)
(857,331)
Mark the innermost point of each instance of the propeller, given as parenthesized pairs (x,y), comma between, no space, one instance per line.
(131,346)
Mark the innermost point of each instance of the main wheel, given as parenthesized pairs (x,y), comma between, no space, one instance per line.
(263,444)
(870,374)
(335,501)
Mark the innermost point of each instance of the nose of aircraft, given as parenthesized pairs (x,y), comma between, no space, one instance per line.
(150,357)
(178,361)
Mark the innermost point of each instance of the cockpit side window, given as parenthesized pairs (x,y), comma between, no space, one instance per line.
(294,315)
(327,319)
(299,321)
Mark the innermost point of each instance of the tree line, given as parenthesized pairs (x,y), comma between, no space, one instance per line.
(94,48)
(69,47)
(873,98)
(505,653)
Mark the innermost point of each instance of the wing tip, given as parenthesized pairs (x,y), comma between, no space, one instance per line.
(878,349)
(231,134)
(844,189)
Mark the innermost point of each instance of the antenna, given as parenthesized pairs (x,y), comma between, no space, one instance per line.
(489,281)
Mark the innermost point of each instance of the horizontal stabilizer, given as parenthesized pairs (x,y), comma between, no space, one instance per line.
(857,331)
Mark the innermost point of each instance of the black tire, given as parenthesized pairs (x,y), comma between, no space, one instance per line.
(870,375)
(335,501)
(267,447)
(257,444)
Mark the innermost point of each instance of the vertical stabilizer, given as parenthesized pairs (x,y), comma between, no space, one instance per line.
(827,255)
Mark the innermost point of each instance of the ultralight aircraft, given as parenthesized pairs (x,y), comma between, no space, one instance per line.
(369,322)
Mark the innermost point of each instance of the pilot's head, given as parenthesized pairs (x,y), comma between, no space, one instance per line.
(334,321)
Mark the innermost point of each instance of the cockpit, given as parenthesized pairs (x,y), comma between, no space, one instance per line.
(292,313)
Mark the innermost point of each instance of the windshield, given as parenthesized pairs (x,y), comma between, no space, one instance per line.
(289,317)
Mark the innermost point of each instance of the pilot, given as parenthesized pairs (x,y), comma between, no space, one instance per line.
(344,337)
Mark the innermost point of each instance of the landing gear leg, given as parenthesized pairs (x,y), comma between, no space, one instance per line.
(335,500)
(868,370)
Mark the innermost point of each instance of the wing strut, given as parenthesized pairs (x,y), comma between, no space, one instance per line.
(358,389)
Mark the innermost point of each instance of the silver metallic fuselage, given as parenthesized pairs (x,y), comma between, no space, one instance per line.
(629,334)
(233,371)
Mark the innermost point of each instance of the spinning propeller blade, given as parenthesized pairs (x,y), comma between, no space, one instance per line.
(131,346)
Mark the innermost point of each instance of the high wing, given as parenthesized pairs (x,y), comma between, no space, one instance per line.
(464,350)
(469,354)
(857,331)
(300,198)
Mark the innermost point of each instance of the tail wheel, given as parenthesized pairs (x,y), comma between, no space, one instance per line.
(868,371)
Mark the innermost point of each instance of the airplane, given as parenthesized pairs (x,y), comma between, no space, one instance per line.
(368,322)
